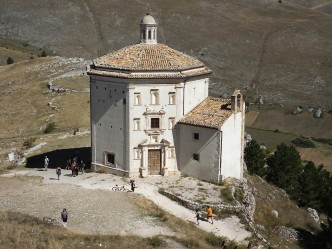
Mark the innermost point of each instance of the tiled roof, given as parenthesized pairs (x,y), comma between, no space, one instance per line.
(212,113)
(147,57)
(150,75)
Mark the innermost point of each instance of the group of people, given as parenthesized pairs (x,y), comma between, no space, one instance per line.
(76,165)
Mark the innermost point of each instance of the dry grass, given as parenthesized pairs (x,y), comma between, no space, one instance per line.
(270,198)
(22,231)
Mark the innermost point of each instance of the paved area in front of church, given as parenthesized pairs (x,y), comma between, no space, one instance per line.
(228,227)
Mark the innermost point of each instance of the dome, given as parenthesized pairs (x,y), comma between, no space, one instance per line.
(144,57)
(148,61)
(148,20)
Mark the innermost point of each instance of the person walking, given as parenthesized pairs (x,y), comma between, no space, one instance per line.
(46,161)
(58,172)
(198,216)
(64,217)
(132,185)
(209,214)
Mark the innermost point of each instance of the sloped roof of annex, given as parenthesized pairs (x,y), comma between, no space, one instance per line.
(211,113)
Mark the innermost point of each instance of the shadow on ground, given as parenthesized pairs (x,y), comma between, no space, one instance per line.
(58,158)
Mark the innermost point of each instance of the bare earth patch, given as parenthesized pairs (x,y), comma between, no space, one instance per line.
(95,209)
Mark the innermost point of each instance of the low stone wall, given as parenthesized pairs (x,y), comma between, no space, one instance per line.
(194,205)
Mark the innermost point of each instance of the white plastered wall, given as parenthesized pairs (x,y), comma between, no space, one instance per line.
(108,121)
(207,147)
(232,147)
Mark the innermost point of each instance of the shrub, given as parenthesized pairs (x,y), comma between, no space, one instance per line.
(43,54)
(10,60)
(29,142)
(226,194)
(50,127)
(155,241)
(303,142)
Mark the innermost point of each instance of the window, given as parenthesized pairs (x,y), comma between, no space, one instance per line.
(137,124)
(171,123)
(137,153)
(155,123)
(137,98)
(110,159)
(196,136)
(196,156)
(154,97)
(171,152)
(154,138)
(171,98)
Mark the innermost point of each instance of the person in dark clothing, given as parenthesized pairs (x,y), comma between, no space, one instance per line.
(64,216)
(132,185)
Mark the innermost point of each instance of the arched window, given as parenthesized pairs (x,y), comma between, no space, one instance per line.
(149,34)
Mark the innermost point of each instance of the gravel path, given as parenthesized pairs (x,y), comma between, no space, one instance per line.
(95,209)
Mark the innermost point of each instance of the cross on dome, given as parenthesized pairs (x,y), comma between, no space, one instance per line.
(148,31)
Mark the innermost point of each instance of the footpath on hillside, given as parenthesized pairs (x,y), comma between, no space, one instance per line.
(228,227)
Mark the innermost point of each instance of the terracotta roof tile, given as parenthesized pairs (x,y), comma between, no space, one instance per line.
(146,57)
(212,113)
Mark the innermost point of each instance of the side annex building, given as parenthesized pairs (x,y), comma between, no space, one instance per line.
(151,114)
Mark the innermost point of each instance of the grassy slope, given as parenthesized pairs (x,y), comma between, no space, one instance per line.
(275,50)
(268,198)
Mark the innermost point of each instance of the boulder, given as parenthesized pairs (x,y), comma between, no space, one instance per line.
(275,213)
(318,113)
(313,214)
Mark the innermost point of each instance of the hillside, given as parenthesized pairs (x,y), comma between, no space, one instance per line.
(281,51)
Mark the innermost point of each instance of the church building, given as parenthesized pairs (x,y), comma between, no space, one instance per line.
(151,114)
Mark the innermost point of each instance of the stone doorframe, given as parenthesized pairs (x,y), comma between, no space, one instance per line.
(145,147)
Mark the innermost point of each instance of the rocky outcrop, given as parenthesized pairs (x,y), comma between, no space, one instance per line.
(314,215)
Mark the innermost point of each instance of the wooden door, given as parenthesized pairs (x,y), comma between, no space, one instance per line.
(154,162)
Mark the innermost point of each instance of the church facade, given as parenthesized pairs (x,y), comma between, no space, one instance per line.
(151,114)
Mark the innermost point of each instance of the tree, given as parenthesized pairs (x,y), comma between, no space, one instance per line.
(285,168)
(10,60)
(310,182)
(254,157)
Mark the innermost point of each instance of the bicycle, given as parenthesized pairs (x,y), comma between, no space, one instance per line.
(123,189)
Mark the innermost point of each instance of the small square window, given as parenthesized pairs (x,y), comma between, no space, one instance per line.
(137,153)
(196,136)
(155,123)
(155,97)
(196,156)
(137,124)
(171,152)
(110,159)
(154,138)
(137,98)
(171,98)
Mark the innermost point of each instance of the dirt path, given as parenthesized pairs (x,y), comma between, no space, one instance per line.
(51,189)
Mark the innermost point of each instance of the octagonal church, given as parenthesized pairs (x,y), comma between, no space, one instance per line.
(151,114)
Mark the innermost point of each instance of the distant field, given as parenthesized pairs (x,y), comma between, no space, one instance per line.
(322,154)
(301,124)
(319,156)
(17,56)
(270,138)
